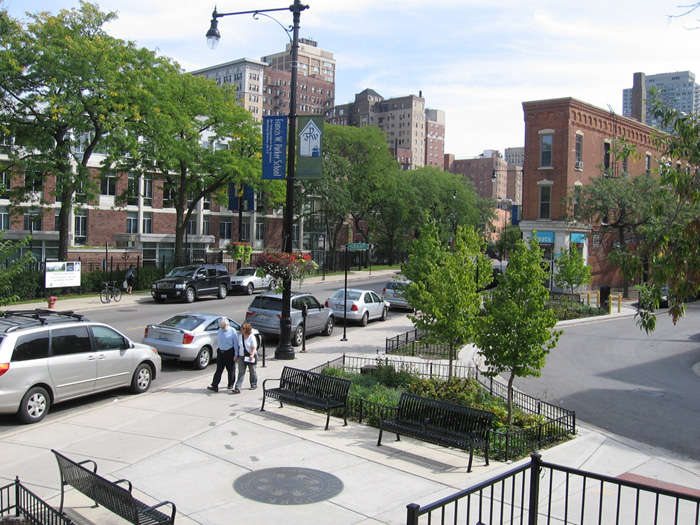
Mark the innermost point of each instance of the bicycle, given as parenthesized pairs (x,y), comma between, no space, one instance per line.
(110,292)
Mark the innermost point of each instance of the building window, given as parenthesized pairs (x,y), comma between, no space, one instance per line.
(80,238)
(206,225)
(579,151)
(192,226)
(647,163)
(245,231)
(606,156)
(624,165)
(148,190)
(5,181)
(260,229)
(33,181)
(109,185)
(147,223)
(132,197)
(577,199)
(546,150)
(4,219)
(545,201)
(32,222)
(132,222)
(225,228)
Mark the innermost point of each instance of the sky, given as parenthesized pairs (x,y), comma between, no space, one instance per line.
(477,60)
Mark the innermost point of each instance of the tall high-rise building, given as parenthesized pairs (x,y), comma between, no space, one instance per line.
(515,156)
(677,90)
(403,120)
(435,138)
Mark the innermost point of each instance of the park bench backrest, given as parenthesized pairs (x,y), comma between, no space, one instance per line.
(113,497)
(313,384)
(443,415)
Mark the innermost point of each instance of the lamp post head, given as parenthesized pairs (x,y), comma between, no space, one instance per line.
(213,34)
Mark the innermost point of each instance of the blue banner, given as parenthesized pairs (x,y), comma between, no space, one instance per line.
(274,159)
(234,197)
(578,238)
(545,237)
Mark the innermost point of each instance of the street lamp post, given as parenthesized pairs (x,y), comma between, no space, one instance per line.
(285,349)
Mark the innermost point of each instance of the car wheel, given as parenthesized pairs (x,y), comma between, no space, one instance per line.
(35,405)
(328,329)
(190,295)
(298,336)
(203,358)
(365,319)
(223,291)
(142,379)
(249,289)
(159,300)
(385,313)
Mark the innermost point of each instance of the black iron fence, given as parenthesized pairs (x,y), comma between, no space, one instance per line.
(548,493)
(17,501)
(557,423)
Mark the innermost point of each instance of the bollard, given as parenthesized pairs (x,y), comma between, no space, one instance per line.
(597,299)
(52,301)
(619,303)
(589,298)
(609,305)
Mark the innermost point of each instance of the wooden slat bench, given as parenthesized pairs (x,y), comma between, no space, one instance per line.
(110,494)
(309,390)
(438,422)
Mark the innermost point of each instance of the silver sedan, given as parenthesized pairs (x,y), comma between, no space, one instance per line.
(189,336)
(361,305)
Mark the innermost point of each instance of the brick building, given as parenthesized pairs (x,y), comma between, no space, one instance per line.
(568,143)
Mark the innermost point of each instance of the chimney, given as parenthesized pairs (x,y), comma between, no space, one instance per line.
(639,98)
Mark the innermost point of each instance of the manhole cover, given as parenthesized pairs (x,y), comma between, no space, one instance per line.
(288,486)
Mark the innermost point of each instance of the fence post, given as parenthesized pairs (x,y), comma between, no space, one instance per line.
(412,513)
(535,467)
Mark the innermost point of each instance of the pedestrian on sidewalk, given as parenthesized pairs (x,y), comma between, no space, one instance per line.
(130,279)
(225,355)
(247,357)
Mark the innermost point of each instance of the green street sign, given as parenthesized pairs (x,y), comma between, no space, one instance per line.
(358,246)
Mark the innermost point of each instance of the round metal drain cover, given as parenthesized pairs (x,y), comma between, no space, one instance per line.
(288,486)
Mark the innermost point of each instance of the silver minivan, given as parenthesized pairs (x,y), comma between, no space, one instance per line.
(47,357)
(265,312)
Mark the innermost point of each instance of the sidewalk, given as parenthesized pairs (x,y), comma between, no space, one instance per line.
(187,445)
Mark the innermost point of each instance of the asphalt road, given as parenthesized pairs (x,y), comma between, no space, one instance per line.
(133,319)
(619,379)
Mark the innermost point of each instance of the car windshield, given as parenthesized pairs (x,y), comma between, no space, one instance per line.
(352,295)
(396,285)
(184,271)
(244,272)
(185,322)
(267,303)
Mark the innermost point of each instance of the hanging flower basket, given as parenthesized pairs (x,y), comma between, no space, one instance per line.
(283,266)
(240,251)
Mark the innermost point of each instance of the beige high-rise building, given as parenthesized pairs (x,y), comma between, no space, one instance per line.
(403,120)
(313,61)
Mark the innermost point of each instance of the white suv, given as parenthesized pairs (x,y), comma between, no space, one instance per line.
(47,357)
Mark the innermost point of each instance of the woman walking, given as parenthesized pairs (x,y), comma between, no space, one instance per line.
(247,357)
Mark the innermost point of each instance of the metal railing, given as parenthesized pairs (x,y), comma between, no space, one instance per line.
(19,502)
(540,492)
(558,423)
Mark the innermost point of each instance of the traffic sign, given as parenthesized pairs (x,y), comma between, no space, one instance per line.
(358,246)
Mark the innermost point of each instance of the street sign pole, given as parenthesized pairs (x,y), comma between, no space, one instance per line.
(345,298)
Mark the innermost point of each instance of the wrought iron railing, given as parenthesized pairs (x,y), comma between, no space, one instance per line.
(506,444)
(18,501)
(548,493)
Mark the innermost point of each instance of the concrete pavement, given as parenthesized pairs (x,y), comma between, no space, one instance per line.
(187,445)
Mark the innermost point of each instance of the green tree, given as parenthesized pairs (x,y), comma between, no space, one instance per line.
(515,333)
(66,87)
(506,241)
(12,264)
(445,284)
(571,270)
(195,138)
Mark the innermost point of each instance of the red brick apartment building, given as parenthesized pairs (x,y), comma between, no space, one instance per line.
(567,143)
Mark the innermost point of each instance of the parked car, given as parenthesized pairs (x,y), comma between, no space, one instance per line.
(392,294)
(191,282)
(265,312)
(48,357)
(247,281)
(360,306)
(189,336)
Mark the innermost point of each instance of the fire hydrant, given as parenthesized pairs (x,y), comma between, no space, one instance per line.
(52,301)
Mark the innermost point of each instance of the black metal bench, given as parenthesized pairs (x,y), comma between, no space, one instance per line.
(438,422)
(309,390)
(110,494)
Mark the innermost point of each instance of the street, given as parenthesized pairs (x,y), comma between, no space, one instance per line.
(619,379)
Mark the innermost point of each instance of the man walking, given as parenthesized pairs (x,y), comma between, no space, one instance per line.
(228,348)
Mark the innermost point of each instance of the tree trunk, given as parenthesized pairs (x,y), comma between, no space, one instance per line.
(510,398)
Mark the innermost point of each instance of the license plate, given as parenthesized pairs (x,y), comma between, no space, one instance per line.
(164,337)
(264,317)
(163,296)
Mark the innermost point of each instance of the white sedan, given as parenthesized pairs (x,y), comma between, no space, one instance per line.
(247,280)
(361,306)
